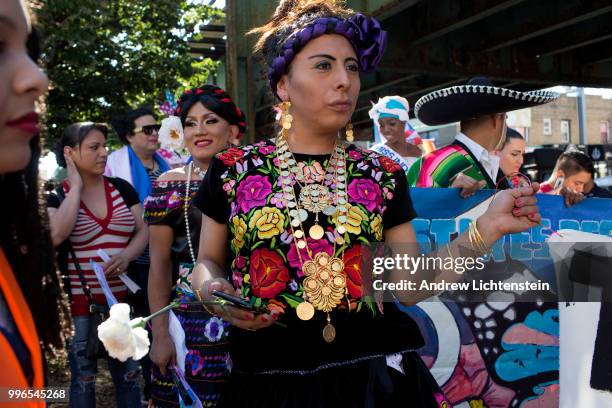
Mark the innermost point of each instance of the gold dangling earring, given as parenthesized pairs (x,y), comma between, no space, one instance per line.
(349,132)
(285,118)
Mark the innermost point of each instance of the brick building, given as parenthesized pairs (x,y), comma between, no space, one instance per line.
(557,122)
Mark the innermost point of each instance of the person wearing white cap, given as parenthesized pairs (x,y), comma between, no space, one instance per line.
(390,116)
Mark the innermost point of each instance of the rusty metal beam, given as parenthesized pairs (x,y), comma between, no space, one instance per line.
(457,56)
(393,8)
(464,17)
(551,16)
(231,64)
(595,54)
(578,36)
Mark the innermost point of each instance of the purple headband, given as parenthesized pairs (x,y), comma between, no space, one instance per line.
(365,35)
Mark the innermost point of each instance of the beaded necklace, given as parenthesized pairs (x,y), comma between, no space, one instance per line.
(200,173)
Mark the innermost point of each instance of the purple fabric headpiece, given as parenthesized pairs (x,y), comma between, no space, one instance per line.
(365,35)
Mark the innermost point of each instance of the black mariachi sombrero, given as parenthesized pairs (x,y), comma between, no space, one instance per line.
(475,99)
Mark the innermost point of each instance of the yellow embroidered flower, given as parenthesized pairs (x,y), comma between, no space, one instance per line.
(268,221)
(239,227)
(354,218)
(377,227)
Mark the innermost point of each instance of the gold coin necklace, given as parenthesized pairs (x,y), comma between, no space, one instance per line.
(324,284)
(316,197)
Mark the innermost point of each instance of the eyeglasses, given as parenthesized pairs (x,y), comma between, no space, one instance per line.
(148,129)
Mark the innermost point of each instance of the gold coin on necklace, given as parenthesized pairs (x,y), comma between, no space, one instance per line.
(316,232)
(305,311)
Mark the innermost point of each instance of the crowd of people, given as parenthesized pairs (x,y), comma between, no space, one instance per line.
(281,223)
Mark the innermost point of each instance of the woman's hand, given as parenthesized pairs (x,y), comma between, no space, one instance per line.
(241,318)
(570,197)
(163,352)
(72,175)
(467,184)
(117,265)
(511,211)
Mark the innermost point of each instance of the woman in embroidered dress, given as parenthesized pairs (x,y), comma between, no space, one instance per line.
(285,223)
(92,212)
(210,120)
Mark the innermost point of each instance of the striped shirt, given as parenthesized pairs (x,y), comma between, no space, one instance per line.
(111,234)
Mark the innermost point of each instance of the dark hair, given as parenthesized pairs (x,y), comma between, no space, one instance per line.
(290,16)
(512,134)
(33,44)
(214,99)
(74,135)
(24,237)
(574,162)
(124,124)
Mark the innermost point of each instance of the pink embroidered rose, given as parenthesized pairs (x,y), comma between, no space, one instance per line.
(313,173)
(366,192)
(227,187)
(237,279)
(240,262)
(355,155)
(252,192)
(266,150)
(315,245)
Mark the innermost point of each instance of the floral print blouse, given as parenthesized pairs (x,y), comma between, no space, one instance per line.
(242,190)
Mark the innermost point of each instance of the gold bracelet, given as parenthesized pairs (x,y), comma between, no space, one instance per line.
(449,251)
(487,248)
(476,239)
(198,295)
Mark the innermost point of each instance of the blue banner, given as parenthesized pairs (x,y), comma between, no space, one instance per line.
(497,354)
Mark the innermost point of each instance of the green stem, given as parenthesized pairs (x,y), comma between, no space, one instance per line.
(172,305)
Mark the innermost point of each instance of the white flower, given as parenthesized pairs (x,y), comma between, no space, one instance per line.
(171,134)
(124,338)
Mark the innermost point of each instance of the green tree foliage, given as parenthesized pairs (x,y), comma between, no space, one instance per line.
(106,56)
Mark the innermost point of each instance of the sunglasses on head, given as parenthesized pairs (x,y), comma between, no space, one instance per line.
(147,129)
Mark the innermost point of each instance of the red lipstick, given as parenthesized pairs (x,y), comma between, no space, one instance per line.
(27,123)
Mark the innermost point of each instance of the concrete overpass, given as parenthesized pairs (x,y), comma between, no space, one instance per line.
(520,44)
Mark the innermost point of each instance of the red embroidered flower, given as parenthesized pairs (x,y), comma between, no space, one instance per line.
(352,269)
(269,275)
(389,165)
(230,156)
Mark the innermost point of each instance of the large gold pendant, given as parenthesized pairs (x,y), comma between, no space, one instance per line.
(315,198)
(324,285)
(305,311)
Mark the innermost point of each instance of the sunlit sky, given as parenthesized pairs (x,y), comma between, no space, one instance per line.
(571,91)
